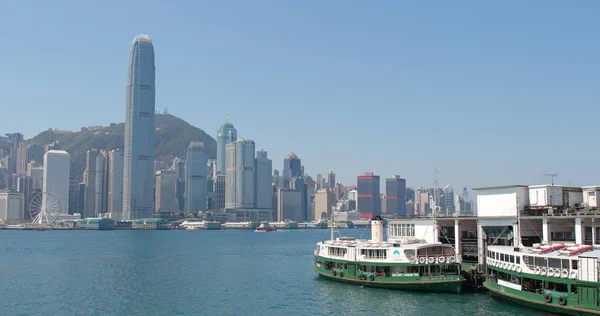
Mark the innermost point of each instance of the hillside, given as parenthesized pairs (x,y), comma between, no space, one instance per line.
(173,135)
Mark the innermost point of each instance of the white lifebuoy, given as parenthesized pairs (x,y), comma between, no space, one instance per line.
(458,258)
(431,259)
(543,271)
(441,259)
(519,270)
(514,268)
(565,273)
(537,270)
(557,273)
(550,272)
(573,275)
(452,259)
(422,260)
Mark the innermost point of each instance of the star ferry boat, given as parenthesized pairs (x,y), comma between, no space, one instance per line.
(556,278)
(405,264)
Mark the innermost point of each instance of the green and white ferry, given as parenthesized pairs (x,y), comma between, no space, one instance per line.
(406,264)
(556,278)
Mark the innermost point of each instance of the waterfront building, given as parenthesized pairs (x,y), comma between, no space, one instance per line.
(264,180)
(94,223)
(395,193)
(115,182)
(219,192)
(369,200)
(225,135)
(138,169)
(289,205)
(56,177)
(94,183)
(324,201)
(150,224)
(240,176)
(292,167)
(166,191)
(11,207)
(195,178)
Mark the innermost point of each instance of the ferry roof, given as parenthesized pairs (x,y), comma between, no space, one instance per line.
(510,186)
(553,254)
(363,243)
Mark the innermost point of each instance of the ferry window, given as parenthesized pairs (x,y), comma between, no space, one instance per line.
(497,256)
(518,260)
(565,263)
(337,252)
(541,262)
(574,264)
(501,257)
(512,259)
(554,263)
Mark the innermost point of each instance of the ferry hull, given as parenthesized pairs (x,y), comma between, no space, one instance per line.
(498,292)
(447,286)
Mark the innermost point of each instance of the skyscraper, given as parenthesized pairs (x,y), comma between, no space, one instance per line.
(225,135)
(264,181)
(15,140)
(195,178)
(94,183)
(166,191)
(395,193)
(115,182)
(320,182)
(448,201)
(240,175)
(292,167)
(138,180)
(56,177)
(330,180)
(369,201)
(324,201)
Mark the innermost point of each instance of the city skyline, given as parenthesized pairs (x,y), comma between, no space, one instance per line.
(459,95)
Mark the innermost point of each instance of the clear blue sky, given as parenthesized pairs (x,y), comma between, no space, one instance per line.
(488,93)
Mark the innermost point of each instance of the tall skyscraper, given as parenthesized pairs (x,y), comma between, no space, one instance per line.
(138,180)
(264,181)
(225,135)
(331,180)
(289,205)
(15,140)
(219,192)
(94,183)
(448,206)
(166,191)
(25,187)
(56,177)
(240,175)
(369,200)
(195,178)
(324,202)
(395,193)
(179,167)
(115,182)
(320,182)
(3,176)
(292,167)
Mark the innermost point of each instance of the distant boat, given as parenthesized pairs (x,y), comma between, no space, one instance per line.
(264,227)
(40,229)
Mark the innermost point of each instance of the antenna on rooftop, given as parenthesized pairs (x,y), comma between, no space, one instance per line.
(552,175)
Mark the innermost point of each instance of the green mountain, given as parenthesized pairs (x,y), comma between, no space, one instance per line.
(173,135)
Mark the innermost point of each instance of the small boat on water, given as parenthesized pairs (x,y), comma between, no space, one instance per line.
(40,229)
(265,227)
(409,264)
(556,278)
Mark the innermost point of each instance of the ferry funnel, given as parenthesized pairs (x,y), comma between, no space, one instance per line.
(376,229)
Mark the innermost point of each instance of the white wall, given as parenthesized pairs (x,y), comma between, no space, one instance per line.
(498,202)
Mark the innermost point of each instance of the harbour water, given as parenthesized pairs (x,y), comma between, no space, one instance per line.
(233,272)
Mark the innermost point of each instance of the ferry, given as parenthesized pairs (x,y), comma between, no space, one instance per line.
(556,278)
(407,264)
(264,227)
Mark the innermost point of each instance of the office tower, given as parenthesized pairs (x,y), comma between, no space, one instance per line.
(289,205)
(138,168)
(27,153)
(225,135)
(291,169)
(115,182)
(369,200)
(240,175)
(14,141)
(37,176)
(73,188)
(56,177)
(166,193)
(264,180)
(410,194)
(277,179)
(94,182)
(219,195)
(80,199)
(320,182)
(448,200)
(330,180)
(211,168)
(299,184)
(195,178)
(3,177)
(324,202)
(25,185)
(11,207)
(179,167)
(423,200)
(395,193)
(210,192)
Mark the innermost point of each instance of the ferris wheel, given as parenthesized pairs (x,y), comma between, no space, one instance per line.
(44,208)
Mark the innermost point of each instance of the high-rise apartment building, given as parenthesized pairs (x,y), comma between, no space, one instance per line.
(56,177)
(195,178)
(115,182)
(225,135)
(292,167)
(138,169)
(264,180)
(395,193)
(240,176)
(369,200)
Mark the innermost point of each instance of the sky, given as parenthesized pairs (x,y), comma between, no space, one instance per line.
(489,93)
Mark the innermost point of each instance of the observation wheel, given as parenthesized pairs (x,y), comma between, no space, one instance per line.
(44,208)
